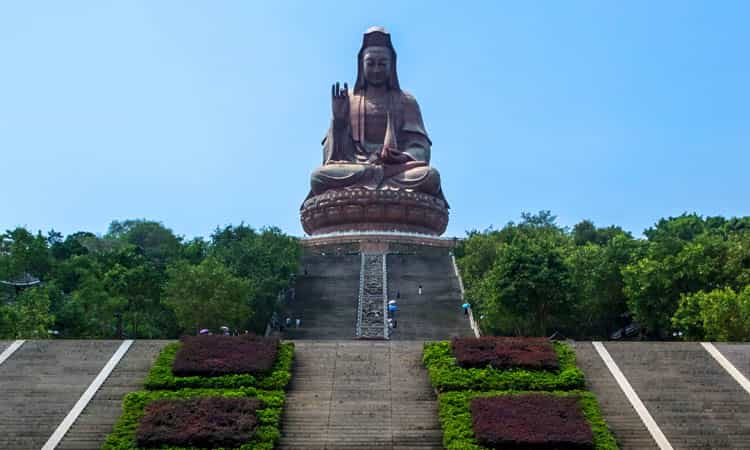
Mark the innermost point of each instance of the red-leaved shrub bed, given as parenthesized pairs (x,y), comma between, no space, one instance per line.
(533,421)
(505,353)
(204,422)
(212,356)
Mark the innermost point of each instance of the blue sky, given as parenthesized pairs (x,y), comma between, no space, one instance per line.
(200,114)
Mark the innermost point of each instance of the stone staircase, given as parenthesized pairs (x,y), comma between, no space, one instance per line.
(622,419)
(738,354)
(692,398)
(360,395)
(326,298)
(437,313)
(98,418)
(41,382)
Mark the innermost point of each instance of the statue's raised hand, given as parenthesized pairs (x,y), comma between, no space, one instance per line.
(340,102)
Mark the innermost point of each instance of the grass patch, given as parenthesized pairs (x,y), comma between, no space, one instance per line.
(447,375)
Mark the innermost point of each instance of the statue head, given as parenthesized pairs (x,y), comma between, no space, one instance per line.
(376,61)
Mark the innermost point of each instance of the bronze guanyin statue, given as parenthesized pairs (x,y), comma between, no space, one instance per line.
(376,173)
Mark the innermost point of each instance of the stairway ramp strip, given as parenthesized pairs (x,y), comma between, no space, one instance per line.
(386,328)
(10,350)
(59,433)
(632,396)
(727,365)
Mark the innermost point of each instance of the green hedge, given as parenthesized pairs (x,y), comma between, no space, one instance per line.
(267,434)
(455,418)
(447,375)
(161,377)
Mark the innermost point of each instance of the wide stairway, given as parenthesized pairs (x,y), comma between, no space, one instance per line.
(623,421)
(41,382)
(692,398)
(437,313)
(326,298)
(360,395)
(100,415)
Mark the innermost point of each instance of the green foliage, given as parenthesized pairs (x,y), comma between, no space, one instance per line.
(267,258)
(208,295)
(596,284)
(104,285)
(522,287)
(455,418)
(718,315)
(447,375)
(161,377)
(28,317)
(23,253)
(266,436)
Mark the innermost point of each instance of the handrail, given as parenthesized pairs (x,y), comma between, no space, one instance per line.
(358,329)
(473,323)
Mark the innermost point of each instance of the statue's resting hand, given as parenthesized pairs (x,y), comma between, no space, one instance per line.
(393,156)
(340,103)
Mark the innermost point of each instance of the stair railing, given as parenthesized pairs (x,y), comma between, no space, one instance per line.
(473,323)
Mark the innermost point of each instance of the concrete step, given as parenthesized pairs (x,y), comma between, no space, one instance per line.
(622,419)
(325,299)
(437,313)
(344,396)
(99,417)
(41,382)
(690,396)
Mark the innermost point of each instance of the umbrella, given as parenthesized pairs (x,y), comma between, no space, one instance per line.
(466,306)
(391,302)
(203,331)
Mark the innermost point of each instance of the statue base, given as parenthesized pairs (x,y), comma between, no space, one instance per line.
(359,209)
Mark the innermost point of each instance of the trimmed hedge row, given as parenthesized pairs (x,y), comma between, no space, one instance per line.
(456,419)
(447,375)
(161,376)
(506,352)
(216,355)
(265,437)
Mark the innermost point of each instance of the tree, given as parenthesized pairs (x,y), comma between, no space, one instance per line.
(157,242)
(596,284)
(267,259)
(718,315)
(208,295)
(526,290)
(28,317)
(24,253)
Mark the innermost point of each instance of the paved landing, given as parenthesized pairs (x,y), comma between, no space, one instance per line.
(360,395)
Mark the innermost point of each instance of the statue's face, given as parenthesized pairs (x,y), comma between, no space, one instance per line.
(377,65)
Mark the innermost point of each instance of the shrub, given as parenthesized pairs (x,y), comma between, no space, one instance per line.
(162,377)
(211,356)
(198,422)
(266,435)
(532,421)
(505,352)
(456,418)
(447,375)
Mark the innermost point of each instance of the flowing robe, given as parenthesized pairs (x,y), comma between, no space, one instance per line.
(351,149)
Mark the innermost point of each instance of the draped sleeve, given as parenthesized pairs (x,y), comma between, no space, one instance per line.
(412,135)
